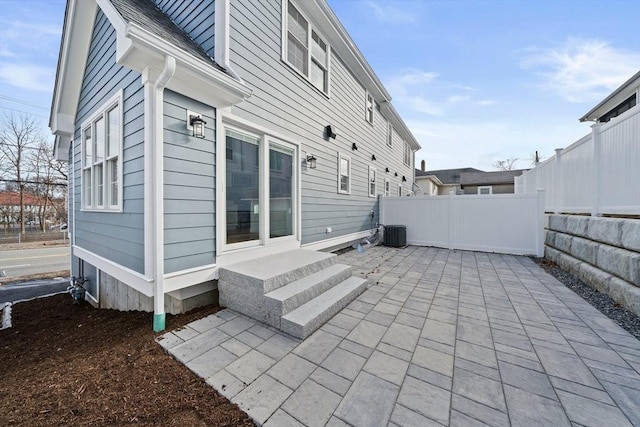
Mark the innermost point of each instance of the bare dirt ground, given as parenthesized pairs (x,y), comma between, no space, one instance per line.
(66,364)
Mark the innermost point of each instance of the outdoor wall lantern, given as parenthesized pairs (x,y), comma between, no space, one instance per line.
(197,124)
(373,158)
(330,131)
(354,147)
(311,161)
(396,174)
(386,170)
(404,179)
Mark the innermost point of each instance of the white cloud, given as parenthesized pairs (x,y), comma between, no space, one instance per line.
(409,89)
(582,70)
(487,102)
(27,76)
(391,14)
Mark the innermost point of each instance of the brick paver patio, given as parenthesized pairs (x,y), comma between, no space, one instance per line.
(442,338)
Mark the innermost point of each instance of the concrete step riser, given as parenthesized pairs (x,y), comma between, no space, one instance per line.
(303,330)
(282,307)
(260,286)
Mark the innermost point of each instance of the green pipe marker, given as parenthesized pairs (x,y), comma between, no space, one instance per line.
(158,322)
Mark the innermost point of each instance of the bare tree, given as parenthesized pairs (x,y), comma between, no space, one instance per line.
(47,184)
(18,135)
(505,165)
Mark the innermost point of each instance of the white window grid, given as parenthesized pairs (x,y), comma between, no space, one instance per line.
(304,49)
(373,176)
(101,147)
(344,174)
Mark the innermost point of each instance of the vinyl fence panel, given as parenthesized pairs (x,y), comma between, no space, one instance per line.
(504,223)
(598,174)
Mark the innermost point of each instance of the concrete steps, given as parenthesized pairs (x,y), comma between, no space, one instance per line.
(296,291)
(304,320)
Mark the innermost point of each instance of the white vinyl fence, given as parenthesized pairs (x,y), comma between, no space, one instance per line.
(598,174)
(504,223)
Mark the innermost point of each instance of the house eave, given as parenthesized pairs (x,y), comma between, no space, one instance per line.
(617,96)
(193,77)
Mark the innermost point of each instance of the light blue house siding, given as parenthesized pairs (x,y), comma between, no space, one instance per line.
(189,186)
(118,237)
(194,17)
(286,102)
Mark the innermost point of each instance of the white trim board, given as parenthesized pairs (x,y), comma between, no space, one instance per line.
(335,241)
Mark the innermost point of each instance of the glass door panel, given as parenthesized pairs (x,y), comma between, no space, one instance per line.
(242,187)
(281,190)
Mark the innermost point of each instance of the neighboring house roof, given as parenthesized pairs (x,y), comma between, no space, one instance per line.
(12,198)
(626,90)
(489,178)
(432,178)
(148,16)
(447,176)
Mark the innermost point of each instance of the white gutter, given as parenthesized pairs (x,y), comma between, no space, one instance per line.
(154,186)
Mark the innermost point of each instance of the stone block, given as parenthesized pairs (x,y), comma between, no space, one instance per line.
(634,268)
(594,277)
(550,238)
(558,223)
(606,230)
(584,249)
(563,242)
(625,294)
(615,261)
(551,254)
(577,225)
(569,263)
(631,234)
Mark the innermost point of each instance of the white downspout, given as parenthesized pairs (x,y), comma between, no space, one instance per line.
(156,190)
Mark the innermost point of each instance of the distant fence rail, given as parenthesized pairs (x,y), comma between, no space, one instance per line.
(34,236)
(599,174)
(503,223)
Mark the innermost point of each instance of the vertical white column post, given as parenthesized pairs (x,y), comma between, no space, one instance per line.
(450,218)
(540,224)
(559,184)
(596,146)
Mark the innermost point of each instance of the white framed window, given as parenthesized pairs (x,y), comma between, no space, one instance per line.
(387,187)
(102,158)
(344,174)
(487,189)
(369,105)
(389,134)
(399,190)
(373,173)
(304,49)
(407,154)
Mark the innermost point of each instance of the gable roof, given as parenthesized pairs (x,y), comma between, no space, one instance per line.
(145,40)
(149,16)
(489,178)
(625,90)
(447,176)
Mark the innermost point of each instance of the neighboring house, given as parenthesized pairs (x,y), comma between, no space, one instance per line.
(441,182)
(465,181)
(497,182)
(620,100)
(299,140)
(35,209)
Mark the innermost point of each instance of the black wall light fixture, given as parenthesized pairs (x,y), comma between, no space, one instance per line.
(330,131)
(311,161)
(404,179)
(386,170)
(354,147)
(396,174)
(373,157)
(197,125)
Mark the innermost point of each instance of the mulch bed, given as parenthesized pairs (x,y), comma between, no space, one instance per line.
(66,364)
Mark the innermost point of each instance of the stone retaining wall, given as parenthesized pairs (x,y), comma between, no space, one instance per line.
(603,252)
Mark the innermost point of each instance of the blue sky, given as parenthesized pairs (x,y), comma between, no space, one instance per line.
(475,81)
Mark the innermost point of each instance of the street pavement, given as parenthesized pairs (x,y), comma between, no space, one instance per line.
(24,262)
(31,289)
(442,338)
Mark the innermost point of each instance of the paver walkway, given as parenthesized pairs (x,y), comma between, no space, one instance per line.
(443,338)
